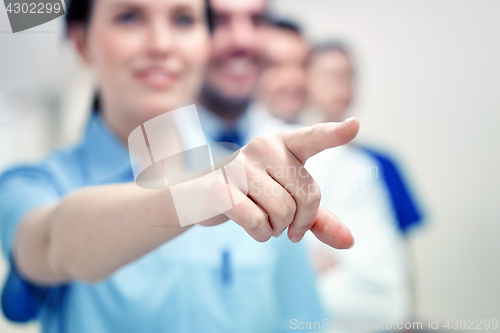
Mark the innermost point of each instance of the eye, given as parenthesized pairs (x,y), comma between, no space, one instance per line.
(183,20)
(259,19)
(128,17)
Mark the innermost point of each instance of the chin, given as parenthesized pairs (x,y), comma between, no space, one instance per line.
(161,103)
(239,92)
(153,108)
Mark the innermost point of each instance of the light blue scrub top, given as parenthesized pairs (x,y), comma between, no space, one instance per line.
(209,279)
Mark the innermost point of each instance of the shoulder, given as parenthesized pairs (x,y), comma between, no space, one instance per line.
(358,155)
(347,156)
(405,205)
(383,157)
(390,169)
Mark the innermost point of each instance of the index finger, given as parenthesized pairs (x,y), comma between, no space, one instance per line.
(308,141)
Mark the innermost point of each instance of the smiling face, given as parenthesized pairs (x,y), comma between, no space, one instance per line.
(237,52)
(283,85)
(149,56)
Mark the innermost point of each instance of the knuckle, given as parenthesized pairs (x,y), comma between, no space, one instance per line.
(286,210)
(309,197)
(313,199)
(260,143)
(255,221)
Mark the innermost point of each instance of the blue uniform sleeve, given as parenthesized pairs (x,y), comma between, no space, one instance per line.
(405,206)
(22,189)
(296,288)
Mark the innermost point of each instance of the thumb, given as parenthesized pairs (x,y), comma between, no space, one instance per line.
(331,231)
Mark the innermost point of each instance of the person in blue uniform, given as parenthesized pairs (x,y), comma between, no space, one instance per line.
(89,251)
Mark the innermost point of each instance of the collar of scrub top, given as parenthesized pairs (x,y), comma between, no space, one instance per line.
(106,157)
(213,125)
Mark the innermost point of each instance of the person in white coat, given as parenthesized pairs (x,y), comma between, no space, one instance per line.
(372,283)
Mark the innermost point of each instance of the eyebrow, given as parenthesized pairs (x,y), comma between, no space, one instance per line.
(115,5)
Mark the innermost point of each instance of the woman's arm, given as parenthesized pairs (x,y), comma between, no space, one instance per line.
(92,232)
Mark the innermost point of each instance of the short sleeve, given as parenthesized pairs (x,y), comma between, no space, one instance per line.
(22,189)
(406,207)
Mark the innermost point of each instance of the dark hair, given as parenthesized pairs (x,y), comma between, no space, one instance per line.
(79,13)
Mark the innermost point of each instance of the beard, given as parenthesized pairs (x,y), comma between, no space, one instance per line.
(222,105)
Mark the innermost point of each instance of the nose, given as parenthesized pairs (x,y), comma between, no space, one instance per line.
(244,34)
(160,40)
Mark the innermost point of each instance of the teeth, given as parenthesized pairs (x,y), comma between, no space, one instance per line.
(240,65)
(157,76)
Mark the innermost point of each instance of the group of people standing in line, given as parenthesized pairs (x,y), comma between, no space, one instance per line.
(89,251)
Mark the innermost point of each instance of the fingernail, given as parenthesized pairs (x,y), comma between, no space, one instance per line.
(347,122)
(352,245)
(296,238)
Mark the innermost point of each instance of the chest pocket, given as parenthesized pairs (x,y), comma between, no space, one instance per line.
(210,276)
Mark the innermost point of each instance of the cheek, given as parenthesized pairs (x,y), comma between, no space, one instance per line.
(219,41)
(270,79)
(315,89)
(114,52)
(195,53)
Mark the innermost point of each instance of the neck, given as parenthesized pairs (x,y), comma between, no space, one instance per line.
(118,122)
(225,107)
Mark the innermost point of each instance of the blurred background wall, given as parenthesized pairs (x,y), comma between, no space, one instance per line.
(429,92)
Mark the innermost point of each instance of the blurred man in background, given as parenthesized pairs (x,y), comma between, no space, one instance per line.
(372,281)
(226,104)
(283,84)
(227,113)
(331,80)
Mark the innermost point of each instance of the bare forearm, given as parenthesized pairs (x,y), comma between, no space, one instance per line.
(93,232)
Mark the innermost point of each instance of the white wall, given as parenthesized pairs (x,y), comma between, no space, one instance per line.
(430,91)
(42,102)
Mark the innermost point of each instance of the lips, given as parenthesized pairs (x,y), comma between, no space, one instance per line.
(156,77)
(240,67)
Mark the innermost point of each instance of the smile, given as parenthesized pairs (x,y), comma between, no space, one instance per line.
(156,78)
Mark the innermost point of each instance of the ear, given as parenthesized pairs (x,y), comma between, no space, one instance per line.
(78,37)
